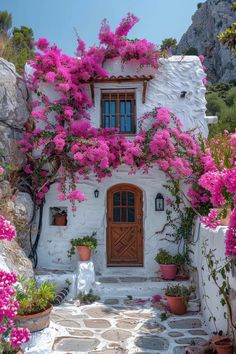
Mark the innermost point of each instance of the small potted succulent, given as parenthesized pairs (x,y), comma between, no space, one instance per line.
(84,246)
(168,264)
(177,298)
(35,304)
(59,217)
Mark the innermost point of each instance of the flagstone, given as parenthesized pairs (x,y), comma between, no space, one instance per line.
(111,302)
(100,311)
(116,335)
(127,323)
(185,323)
(68,323)
(80,332)
(175,334)
(190,340)
(152,327)
(152,342)
(70,344)
(97,323)
(198,332)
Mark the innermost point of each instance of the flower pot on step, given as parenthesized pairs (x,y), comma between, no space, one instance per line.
(168,271)
(223,346)
(177,305)
(84,253)
(35,322)
(60,220)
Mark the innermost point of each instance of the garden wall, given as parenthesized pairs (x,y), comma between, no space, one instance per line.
(209,294)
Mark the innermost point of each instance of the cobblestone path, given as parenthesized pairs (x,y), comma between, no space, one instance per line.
(117,327)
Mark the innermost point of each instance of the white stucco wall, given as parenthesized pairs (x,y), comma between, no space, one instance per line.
(91,216)
(209,294)
(174,75)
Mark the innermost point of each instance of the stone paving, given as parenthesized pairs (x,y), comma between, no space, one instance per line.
(117,326)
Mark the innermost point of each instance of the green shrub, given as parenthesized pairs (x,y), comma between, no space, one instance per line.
(215,104)
(89,241)
(34,298)
(230,98)
(88,298)
(178,291)
(164,257)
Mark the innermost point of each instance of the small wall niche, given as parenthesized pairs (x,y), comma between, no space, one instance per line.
(58,216)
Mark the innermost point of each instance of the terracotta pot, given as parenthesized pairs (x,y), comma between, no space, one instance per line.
(84,253)
(35,322)
(177,305)
(223,345)
(225,221)
(168,271)
(60,220)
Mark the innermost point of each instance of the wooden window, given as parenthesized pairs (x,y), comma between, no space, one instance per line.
(118,111)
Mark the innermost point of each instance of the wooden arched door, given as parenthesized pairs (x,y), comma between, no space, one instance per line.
(124,226)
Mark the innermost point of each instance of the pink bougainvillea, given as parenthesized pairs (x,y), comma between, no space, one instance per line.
(63,136)
(230,242)
(8,303)
(7,231)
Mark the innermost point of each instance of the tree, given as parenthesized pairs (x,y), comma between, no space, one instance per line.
(22,43)
(16,45)
(228,37)
(168,43)
(5,22)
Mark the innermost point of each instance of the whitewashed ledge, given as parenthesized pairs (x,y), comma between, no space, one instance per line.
(214,240)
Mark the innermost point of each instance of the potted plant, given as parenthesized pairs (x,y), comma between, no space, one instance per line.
(177,298)
(59,217)
(84,246)
(35,304)
(223,345)
(168,264)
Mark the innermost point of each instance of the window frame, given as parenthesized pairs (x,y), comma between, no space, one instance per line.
(119,95)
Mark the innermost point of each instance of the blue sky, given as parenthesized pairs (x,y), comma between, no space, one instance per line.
(56,19)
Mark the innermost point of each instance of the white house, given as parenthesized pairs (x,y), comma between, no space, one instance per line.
(123,213)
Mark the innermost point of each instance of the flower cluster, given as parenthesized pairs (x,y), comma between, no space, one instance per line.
(220,180)
(64,146)
(8,303)
(7,231)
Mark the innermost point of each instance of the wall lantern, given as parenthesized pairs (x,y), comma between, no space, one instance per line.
(96,193)
(183,94)
(159,202)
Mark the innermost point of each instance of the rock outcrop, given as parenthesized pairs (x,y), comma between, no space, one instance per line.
(14,113)
(14,110)
(211,18)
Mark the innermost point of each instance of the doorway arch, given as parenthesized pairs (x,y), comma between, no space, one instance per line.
(124,226)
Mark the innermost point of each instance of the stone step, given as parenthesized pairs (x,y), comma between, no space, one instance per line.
(132,286)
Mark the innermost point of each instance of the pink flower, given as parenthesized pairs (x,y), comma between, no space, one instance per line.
(211,220)
(77,195)
(50,76)
(202,58)
(42,43)
(7,231)
(19,336)
(1,170)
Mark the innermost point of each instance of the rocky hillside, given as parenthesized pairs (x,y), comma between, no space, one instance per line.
(211,18)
